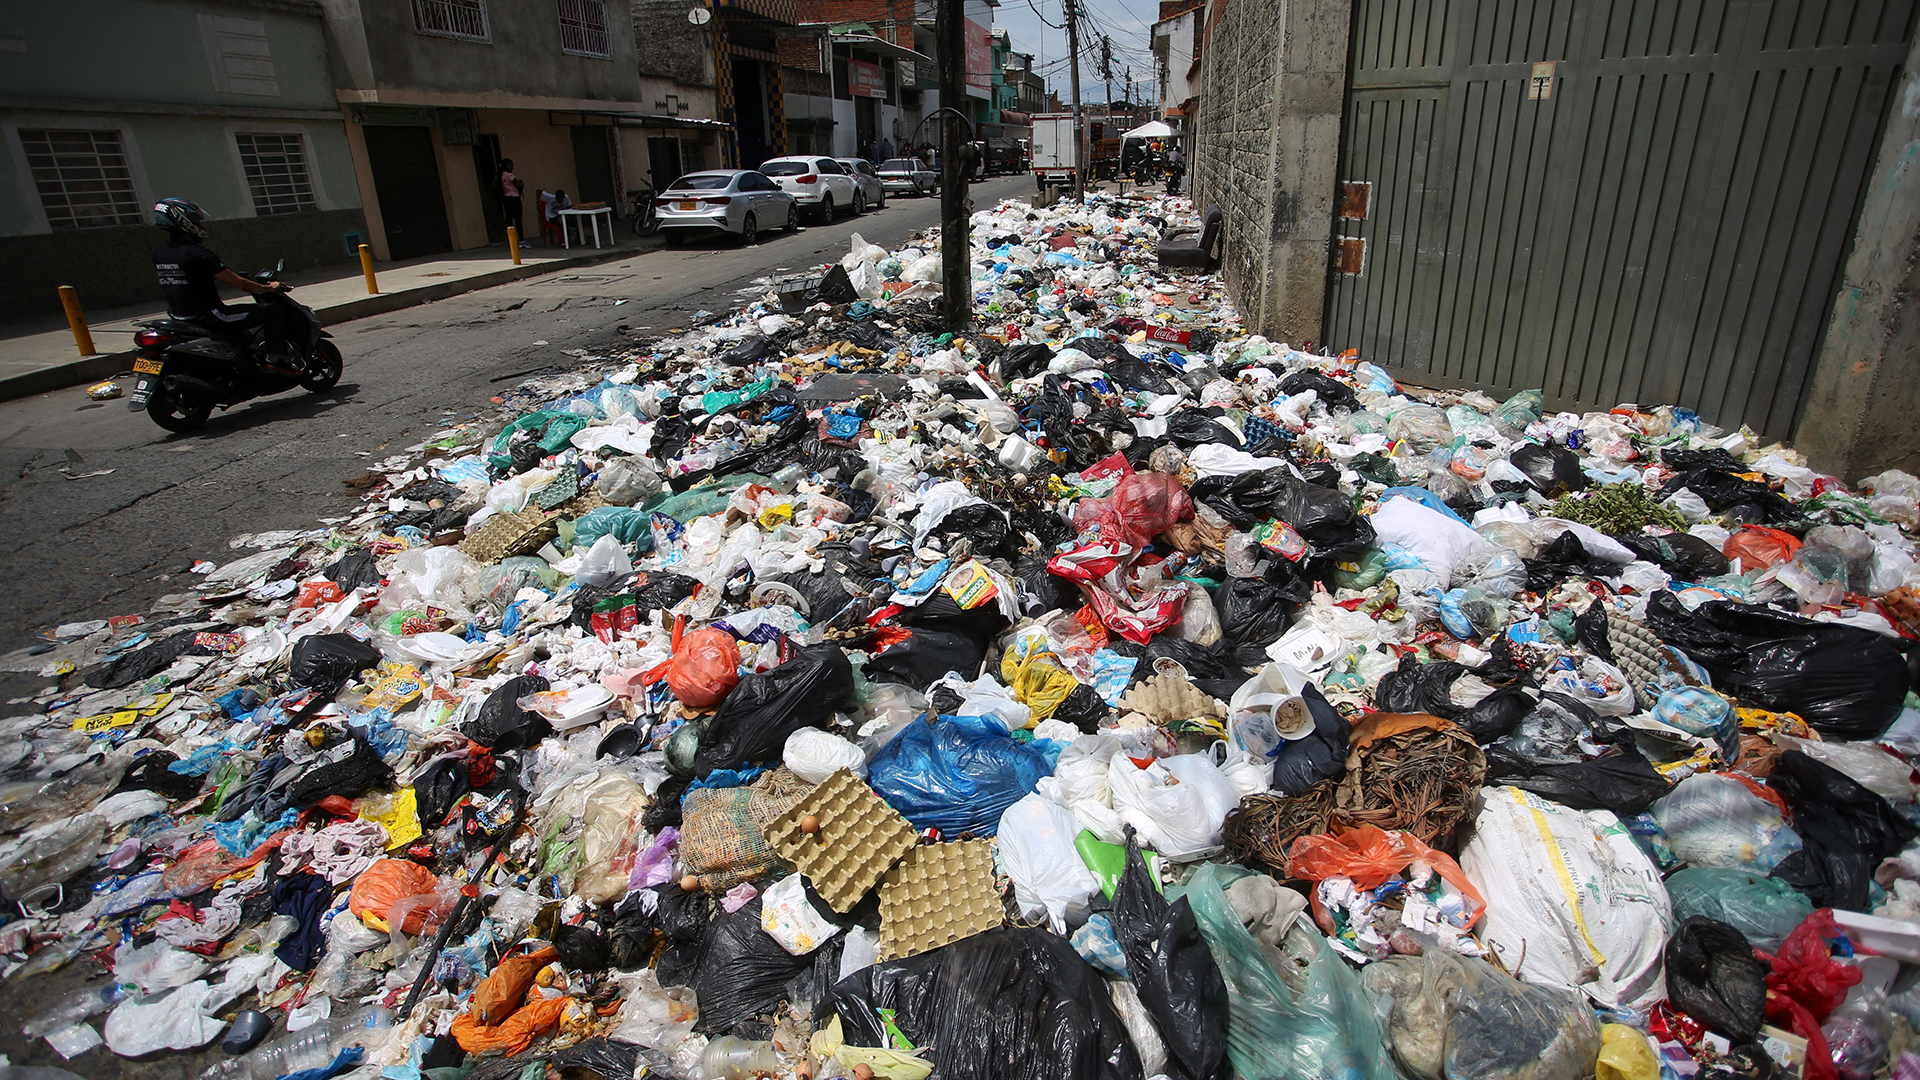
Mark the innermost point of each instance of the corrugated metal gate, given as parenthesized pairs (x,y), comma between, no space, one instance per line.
(1614,200)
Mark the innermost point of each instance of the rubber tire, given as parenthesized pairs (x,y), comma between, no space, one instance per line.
(882,204)
(328,354)
(859,202)
(160,410)
(826,210)
(749,230)
(793,217)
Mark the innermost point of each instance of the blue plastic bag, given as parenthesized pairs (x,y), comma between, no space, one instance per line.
(956,774)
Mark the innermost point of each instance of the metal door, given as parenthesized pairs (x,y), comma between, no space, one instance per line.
(1612,200)
(593,165)
(406,181)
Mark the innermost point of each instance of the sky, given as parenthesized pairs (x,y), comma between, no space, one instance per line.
(1127,23)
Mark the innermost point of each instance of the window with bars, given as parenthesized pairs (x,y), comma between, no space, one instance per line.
(83,178)
(463,19)
(276,168)
(583,28)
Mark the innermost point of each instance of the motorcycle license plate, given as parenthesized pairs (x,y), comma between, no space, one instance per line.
(142,390)
(689,206)
(144,366)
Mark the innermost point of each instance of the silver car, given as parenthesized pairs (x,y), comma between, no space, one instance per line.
(908,176)
(737,202)
(872,192)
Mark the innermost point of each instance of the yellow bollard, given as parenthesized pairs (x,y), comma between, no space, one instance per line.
(366,267)
(77,319)
(513,243)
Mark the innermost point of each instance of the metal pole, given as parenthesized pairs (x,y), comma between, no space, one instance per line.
(513,248)
(366,267)
(1079,126)
(76,319)
(956,274)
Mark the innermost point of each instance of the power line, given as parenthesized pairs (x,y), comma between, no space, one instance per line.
(1043,18)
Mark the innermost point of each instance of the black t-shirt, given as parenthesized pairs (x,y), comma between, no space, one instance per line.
(186,273)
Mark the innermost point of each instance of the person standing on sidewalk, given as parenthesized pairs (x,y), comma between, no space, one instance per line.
(510,188)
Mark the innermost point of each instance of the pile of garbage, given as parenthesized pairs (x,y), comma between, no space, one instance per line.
(1104,692)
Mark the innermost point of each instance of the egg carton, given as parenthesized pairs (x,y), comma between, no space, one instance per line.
(1163,698)
(508,534)
(860,838)
(937,895)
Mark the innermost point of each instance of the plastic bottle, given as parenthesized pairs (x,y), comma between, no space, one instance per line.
(74,1008)
(309,1048)
(729,1058)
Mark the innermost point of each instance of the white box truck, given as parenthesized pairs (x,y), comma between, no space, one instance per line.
(1056,152)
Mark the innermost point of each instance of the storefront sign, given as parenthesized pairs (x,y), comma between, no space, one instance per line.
(865,80)
(979,60)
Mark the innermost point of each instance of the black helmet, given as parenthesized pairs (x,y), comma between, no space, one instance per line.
(182,216)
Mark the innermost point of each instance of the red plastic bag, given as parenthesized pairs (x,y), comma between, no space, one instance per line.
(1142,506)
(1369,856)
(1758,547)
(705,667)
(315,593)
(385,884)
(1808,983)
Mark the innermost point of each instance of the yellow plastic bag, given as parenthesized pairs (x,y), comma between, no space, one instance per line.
(399,812)
(1033,672)
(1625,1055)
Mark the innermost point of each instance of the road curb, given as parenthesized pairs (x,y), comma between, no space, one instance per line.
(106,365)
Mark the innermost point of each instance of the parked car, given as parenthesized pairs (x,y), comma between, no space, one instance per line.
(736,202)
(872,192)
(908,176)
(819,184)
(1005,157)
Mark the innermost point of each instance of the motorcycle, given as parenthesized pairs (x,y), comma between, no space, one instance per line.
(640,208)
(182,372)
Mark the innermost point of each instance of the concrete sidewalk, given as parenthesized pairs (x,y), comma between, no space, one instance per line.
(39,355)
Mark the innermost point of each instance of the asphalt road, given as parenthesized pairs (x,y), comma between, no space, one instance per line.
(108,544)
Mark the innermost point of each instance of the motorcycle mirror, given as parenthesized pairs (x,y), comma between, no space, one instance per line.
(279,266)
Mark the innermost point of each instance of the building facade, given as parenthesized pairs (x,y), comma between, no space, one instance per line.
(228,103)
(854,78)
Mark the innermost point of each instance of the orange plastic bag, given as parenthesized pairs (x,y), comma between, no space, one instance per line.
(516,1034)
(705,667)
(1758,547)
(385,884)
(1369,856)
(501,993)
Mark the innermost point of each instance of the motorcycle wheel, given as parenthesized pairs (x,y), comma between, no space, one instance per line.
(170,412)
(646,225)
(327,366)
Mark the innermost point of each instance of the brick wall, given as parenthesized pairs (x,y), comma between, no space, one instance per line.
(1266,151)
(866,11)
(802,52)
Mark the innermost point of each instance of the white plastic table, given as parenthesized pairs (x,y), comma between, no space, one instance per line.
(593,218)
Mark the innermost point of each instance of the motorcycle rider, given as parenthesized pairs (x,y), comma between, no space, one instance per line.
(188,275)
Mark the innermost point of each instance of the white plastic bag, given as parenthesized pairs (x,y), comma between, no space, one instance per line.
(861,950)
(1267,710)
(1571,900)
(1079,783)
(789,918)
(1035,848)
(1176,804)
(177,1019)
(1435,539)
(813,755)
(605,561)
(627,481)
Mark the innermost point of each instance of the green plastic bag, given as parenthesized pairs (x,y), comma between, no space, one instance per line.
(717,400)
(1324,1030)
(555,428)
(1362,573)
(623,523)
(1108,861)
(1764,909)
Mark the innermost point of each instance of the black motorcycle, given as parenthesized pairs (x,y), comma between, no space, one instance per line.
(640,209)
(182,371)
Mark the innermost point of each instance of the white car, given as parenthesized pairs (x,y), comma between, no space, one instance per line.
(908,176)
(820,184)
(872,191)
(738,202)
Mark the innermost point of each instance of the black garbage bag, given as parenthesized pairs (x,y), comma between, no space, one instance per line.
(746,351)
(1084,709)
(1025,361)
(502,724)
(1553,470)
(149,772)
(438,787)
(1218,669)
(1325,518)
(1564,558)
(351,769)
(662,591)
(1168,963)
(1713,976)
(1047,528)
(1845,681)
(1188,428)
(580,948)
(1622,781)
(585,596)
(325,662)
(1746,500)
(755,720)
(984,524)
(1495,715)
(1321,474)
(927,656)
(1414,687)
(145,662)
(1254,611)
(1590,630)
(1332,393)
(1322,755)
(1845,831)
(1041,590)
(743,972)
(1136,374)
(1681,555)
(354,569)
(667,916)
(1014,1003)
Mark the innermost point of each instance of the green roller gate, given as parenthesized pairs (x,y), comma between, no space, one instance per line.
(1638,200)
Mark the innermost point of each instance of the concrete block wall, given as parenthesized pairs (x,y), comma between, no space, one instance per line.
(1267,151)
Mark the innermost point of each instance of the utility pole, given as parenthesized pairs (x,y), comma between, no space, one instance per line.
(1079,124)
(956,273)
(1106,69)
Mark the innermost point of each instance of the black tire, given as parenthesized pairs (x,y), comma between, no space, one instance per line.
(882,204)
(749,231)
(826,209)
(793,217)
(167,411)
(859,202)
(323,371)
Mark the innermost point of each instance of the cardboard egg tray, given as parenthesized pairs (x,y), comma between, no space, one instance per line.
(508,534)
(860,837)
(1164,698)
(937,895)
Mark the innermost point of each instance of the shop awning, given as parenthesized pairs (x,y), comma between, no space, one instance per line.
(636,120)
(879,46)
(1153,129)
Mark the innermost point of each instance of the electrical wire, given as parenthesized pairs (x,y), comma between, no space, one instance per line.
(1043,18)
